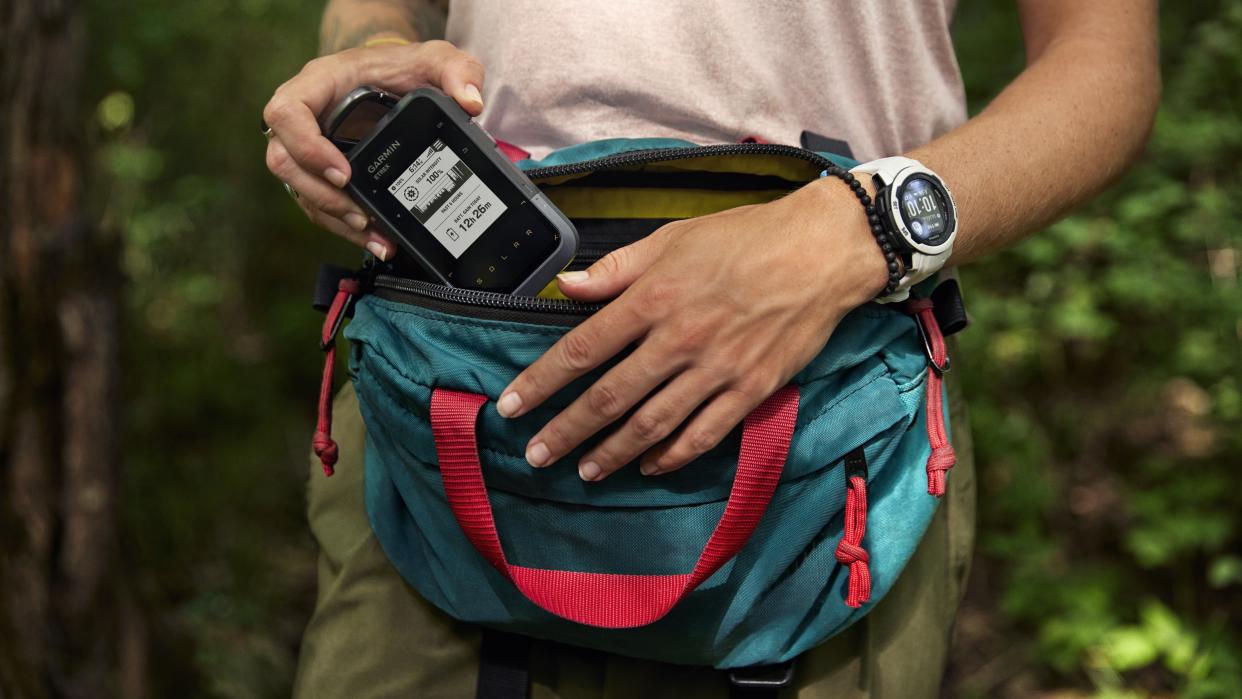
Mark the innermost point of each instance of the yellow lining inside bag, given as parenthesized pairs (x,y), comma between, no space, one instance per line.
(579,200)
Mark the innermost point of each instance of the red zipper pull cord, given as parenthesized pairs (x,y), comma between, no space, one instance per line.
(942,457)
(850,550)
(325,448)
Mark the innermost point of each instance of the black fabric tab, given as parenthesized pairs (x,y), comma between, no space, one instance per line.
(948,307)
(504,666)
(856,464)
(325,287)
(813,141)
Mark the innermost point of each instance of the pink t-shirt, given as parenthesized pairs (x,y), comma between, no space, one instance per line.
(881,76)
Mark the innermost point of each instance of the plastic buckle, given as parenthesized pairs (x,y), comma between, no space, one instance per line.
(927,349)
(763,677)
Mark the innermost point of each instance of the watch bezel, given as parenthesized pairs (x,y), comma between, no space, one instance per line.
(898,222)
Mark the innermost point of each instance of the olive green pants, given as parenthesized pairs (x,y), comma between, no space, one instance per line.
(371,635)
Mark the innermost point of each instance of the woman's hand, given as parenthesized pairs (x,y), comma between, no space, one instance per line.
(724,309)
(299,155)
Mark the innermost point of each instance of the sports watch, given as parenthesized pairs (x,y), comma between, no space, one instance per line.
(918,215)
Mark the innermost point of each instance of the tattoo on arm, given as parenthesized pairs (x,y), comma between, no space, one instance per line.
(349,23)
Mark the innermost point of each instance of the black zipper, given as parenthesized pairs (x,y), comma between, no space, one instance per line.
(589,255)
(481,304)
(490,304)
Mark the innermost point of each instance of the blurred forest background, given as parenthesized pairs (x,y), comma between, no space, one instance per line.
(165,552)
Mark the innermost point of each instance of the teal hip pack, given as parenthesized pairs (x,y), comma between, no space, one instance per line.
(783,535)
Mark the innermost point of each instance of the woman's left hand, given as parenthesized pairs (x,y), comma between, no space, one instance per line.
(724,310)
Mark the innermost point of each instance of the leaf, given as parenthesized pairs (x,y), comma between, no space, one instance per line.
(1225,571)
(1129,648)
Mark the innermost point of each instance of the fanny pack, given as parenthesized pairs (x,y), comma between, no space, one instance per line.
(780,537)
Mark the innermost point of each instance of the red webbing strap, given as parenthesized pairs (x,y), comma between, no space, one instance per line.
(942,457)
(325,448)
(850,550)
(512,152)
(611,600)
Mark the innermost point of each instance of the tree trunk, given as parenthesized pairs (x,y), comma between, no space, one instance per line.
(60,632)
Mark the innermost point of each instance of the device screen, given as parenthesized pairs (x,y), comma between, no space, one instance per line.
(451,204)
(447,197)
(923,208)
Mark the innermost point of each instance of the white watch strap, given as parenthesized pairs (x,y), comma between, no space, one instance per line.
(921,267)
(886,168)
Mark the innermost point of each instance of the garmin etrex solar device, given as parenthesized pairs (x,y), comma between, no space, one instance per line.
(441,188)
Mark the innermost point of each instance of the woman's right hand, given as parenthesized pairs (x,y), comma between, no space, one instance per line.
(300,156)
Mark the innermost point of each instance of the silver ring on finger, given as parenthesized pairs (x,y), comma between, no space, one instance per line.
(292,192)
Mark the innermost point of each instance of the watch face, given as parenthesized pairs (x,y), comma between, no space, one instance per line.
(925,210)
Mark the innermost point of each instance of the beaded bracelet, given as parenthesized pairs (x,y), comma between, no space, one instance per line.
(873,220)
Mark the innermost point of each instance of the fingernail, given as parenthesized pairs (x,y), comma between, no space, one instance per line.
(574,277)
(648,469)
(589,471)
(357,221)
(378,249)
(509,404)
(471,93)
(335,176)
(537,454)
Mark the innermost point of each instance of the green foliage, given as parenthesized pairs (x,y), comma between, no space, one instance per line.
(1103,367)
(1103,370)
(220,349)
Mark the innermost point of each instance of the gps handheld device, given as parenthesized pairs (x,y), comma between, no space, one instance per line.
(442,189)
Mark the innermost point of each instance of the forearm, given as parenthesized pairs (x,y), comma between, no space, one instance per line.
(350,23)
(1062,131)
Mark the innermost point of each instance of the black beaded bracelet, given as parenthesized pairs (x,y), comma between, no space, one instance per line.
(873,220)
